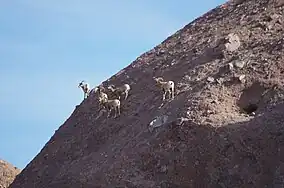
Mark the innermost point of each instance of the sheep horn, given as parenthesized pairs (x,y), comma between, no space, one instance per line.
(110,86)
(102,88)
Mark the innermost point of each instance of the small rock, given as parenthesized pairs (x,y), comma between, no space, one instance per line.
(231,66)
(157,122)
(242,78)
(187,78)
(210,79)
(240,64)
(220,80)
(278,3)
(233,42)
(254,11)
(269,26)
(164,168)
(275,16)
(243,17)
(181,120)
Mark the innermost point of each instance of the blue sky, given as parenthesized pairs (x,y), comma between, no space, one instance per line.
(48,46)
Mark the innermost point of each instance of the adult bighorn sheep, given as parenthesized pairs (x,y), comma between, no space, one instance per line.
(119,91)
(166,86)
(85,87)
(111,104)
(101,95)
(106,103)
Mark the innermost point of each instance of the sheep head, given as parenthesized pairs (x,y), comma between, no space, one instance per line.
(81,83)
(96,89)
(111,87)
(158,80)
(99,89)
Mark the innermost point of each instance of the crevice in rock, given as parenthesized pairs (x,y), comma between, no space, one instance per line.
(250,108)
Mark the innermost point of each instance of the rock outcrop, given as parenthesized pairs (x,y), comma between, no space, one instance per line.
(224,128)
(7,173)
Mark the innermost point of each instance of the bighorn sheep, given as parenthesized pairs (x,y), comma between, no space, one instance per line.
(112,104)
(101,95)
(166,86)
(106,103)
(124,89)
(85,87)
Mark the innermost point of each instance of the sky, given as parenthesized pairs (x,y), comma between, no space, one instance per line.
(48,46)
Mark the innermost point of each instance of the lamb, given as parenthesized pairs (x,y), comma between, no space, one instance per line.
(166,86)
(85,87)
(124,89)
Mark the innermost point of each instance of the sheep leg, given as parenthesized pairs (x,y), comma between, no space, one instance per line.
(108,114)
(172,93)
(114,112)
(126,95)
(118,109)
(164,96)
(100,106)
(164,93)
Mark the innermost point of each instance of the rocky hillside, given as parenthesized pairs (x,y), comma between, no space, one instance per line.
(224,128)
(7,173)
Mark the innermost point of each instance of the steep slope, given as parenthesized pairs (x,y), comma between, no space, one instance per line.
(7,173)
(224,128)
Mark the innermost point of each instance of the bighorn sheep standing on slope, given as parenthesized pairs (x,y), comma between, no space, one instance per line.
(124,89)
(112,104)
(101,95)
(106,103)
(85,87)
(166,86)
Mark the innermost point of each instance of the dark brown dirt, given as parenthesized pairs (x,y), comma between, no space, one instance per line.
(7,173)
(223,129)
